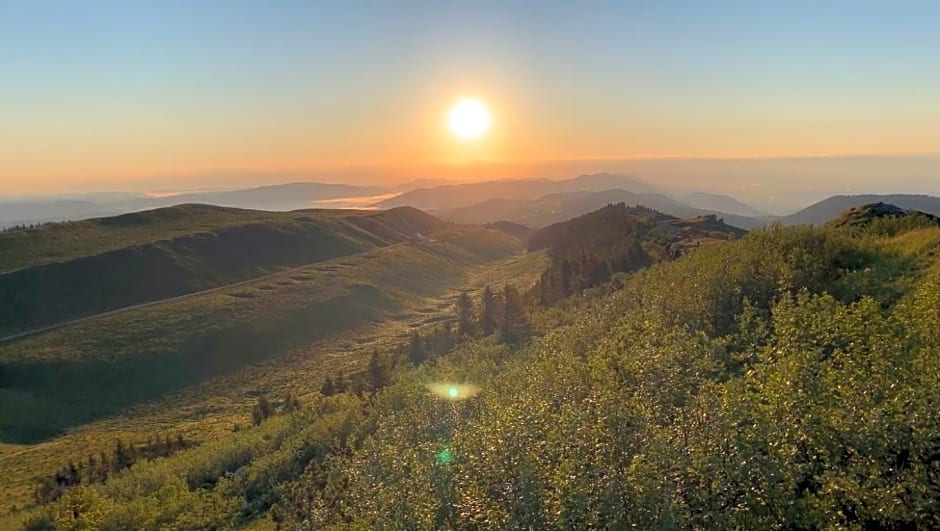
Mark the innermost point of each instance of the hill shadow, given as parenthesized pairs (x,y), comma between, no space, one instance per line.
(43,399)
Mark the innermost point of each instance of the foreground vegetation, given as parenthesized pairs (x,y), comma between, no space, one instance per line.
(788,379)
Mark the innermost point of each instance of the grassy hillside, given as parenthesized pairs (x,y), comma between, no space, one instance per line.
(589,249)
(130,357)
(883,217)
(192,365)
(831,207)
(60,272)
(785,379)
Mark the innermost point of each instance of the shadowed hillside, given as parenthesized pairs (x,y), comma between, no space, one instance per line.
(589,249)
(123,359)
(60,272)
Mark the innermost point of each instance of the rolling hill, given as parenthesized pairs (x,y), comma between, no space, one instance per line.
(27,212)
(830,208)
(59,272)
(282,197)
(191,364)
(589,249)
(782,379)
(865,216)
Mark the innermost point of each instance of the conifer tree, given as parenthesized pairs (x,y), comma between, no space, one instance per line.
(513,323)
(416,352)
(464,315)
(328,388)
(487,311)
(376,373)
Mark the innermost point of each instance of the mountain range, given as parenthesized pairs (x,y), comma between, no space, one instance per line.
(557,207)
(532,202)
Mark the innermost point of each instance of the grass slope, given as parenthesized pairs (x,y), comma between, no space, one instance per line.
(60,272)
(195,365)
(762,382)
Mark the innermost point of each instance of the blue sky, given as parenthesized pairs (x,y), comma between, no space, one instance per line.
(109,90)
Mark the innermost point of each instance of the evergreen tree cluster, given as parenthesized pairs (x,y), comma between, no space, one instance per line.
(586,251)
(504,315)
(263,408)
(98,468)
(29,226)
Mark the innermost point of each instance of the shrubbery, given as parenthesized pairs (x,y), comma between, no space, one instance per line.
(750,384)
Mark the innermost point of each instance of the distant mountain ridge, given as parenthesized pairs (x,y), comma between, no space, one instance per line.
(290,196)
(722,203)
(454,196)
(493,200)
(558,207)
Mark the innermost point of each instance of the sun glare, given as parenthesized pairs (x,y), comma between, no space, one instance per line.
(469,119)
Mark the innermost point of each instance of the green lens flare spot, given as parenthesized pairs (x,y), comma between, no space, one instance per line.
(444,457)
(452,392)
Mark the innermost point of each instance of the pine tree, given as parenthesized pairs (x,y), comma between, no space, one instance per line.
(73,475)
(123,455)
(167,444)
(92,469)
(487,311)
(328,388)
(342,384)
(261,411)
(416,352)
(464,315)
(565,282)
(514,323)
(291,403)
(447,338)
(375,373)
(106,465)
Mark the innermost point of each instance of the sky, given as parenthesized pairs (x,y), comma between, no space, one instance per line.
(110,95)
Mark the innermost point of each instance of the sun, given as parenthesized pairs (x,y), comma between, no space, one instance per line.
(469,119)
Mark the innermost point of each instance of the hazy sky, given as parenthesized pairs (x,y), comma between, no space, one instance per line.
(95,93)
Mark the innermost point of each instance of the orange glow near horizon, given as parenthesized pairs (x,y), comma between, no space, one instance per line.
(177,95)
(394,141)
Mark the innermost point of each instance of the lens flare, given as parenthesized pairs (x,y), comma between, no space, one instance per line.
(445,457)
(452,391)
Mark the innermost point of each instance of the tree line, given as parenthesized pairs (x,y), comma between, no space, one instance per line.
(98,468)
(502,314)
